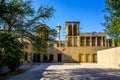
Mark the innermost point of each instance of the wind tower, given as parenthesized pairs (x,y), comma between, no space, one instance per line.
(58,28)
(72,33)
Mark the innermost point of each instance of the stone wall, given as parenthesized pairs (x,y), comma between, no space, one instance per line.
(109,56)
(75,54)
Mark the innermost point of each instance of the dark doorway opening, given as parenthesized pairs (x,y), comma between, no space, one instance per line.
(94,58)
(45,59)
(88,58)
(36,58)
(80,58)
(51,56)
(59,57)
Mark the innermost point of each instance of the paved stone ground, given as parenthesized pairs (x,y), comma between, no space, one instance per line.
(32,74)
(70,71)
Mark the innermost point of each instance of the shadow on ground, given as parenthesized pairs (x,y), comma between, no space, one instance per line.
(69,71)
(82,74)
(32,74)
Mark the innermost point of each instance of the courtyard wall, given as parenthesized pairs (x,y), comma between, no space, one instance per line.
(85,54)
(109,56)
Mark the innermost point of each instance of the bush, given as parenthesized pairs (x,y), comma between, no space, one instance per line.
(13,50)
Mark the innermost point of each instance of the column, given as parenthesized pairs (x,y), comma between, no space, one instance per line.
(84,41)
(59,44)
(113,45)
(95,41)
(78,41)
(66,42)
(90,41)
(72,29)
(101,40)
(73,41)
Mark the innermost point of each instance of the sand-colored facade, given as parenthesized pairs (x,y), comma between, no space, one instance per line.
(109,56)
(77,47)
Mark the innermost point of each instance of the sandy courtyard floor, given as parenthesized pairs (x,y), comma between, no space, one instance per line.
(74,71)
(70,71)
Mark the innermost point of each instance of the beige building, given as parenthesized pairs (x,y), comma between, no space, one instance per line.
(109,57)
(77,47)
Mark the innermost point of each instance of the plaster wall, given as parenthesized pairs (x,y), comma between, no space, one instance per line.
(109,56)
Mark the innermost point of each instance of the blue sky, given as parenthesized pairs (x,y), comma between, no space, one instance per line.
(88,12)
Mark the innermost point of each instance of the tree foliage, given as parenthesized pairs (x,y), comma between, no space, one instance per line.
(112,19)
(19,17)
(11,50)
(43,35)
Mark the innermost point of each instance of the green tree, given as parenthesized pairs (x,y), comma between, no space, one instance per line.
(112,19)
(11,52)
(44,35)
(20,18)
(20,15)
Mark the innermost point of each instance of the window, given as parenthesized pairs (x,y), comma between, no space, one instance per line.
(75,30)
(70,30)
(88,58)
(45,57)
(94,58)
(82,41)
(93,41)
(75,41)
(98,41)
(87,41)
(81,57)
(51,56)
(70,41)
